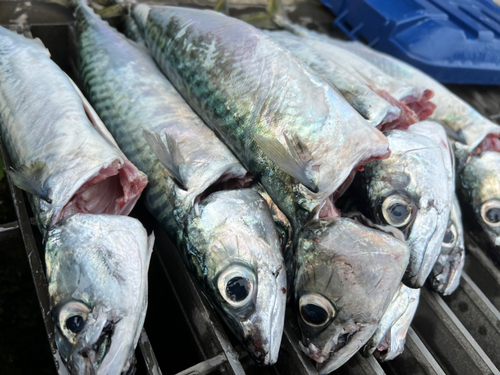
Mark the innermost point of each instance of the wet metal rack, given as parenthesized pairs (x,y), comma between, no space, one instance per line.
(458,334)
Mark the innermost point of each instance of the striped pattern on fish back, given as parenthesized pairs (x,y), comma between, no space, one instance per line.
(130,93)
(243,84)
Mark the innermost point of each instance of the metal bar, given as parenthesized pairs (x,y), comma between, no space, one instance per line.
(447,339)
(37,271)
(415,359)
(291,358)
(422,354)
(478,315)
(483,272)
(370,364)
(9,231)
(148,354)
(205,367)
(200,316)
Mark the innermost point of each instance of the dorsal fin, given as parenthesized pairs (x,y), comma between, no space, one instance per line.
(292,161)
(32,179)
(168,154)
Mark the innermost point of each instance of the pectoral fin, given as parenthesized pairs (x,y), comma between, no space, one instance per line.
(168,154)
(290,161)
(32,179)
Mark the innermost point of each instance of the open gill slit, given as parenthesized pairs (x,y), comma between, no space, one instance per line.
(113,190)
(227,181)
(327,208)
(420,104)
(489,143)
(402,121)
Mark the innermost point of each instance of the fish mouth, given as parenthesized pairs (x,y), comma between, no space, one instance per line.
(264,336)
(95,354)
(337,351)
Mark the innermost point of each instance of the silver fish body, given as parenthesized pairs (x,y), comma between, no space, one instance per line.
(256,96)
(414,96)
(446,273)
(227,238)
(98,324)
(52,140)
(372,107)
(450,109)
(413,191)
(356,286)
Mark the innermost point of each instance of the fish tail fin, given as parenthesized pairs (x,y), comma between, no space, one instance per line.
(293,161)
(168,154)
(32,179)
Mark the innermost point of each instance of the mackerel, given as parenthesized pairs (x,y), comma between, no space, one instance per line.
(198,189)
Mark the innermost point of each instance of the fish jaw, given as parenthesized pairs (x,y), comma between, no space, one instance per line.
(447,271)
(352,268)
(425,249)
(97,274)
(233,237)
(264,328)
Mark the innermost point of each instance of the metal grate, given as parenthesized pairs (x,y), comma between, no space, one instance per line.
(453,335)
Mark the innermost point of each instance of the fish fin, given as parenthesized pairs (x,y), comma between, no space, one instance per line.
(274,17)
(288,160)
(169,155)
(117,10)
(32,179)
(260,20)
(452,134)
(222,6)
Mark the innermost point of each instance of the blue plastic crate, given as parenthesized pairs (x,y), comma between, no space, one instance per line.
(454,41)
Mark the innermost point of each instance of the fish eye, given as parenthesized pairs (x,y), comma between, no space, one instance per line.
(450,237)
(72,318)
(316,310)
(237,285)
(397,210)
(75,323)
(490,212)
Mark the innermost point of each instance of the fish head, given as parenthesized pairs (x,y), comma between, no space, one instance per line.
(235,249)
(412,190)
(97,275)
(347,274)
(479,185)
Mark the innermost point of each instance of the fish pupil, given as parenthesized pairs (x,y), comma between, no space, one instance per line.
(314,314)
(493,215)
(398,211)
(448,237)
(237,289)
(75,323)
